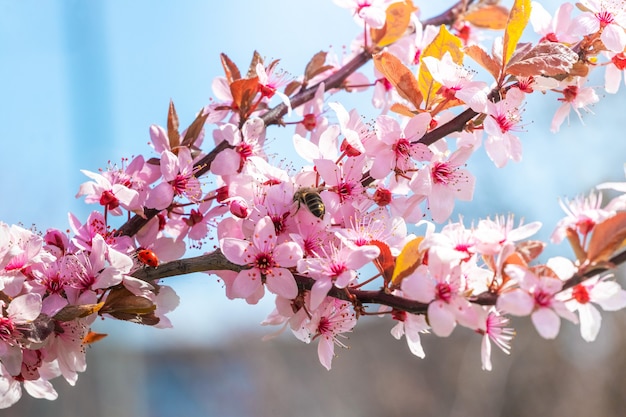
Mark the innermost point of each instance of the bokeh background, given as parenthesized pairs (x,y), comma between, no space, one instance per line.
(80,84)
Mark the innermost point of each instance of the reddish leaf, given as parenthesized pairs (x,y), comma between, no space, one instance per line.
(292,87)
(195,128)
(385,261)
(256,58)
(607,238)
(230,69)
(316,66)
(485,60)
(399,76)
(529,250)
(243,92)
(172,127)
(546,58)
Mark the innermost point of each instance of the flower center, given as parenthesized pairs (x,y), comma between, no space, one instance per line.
(402,148)
(337,269)
(619,60)
(442,172)
(580,294)
(109,200)
(309,121)
(543,299)
(605,18)
(7,329)
(569,93)
(265,262)
(443,291)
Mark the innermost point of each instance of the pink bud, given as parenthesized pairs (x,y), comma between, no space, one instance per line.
(239,208)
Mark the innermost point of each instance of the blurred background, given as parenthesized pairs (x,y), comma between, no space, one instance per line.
(80,84)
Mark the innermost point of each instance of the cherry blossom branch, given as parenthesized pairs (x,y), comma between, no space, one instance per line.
(216,261)
(275,114)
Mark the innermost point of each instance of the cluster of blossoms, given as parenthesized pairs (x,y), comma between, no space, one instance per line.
(309,235)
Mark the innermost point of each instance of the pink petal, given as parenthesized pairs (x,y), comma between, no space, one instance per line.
(590,321)
(235,250)
(41,389)
(547,323)
(226,163)
(281,282)
(25,308)
(160,197)
(516,302)
(169,165)
(246,283)
(326,351)
(319,291)
(441,319)
(288,254)
(264,237)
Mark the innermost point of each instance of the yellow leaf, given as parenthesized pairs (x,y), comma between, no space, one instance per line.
(443,42)
(396,23)
(407,262)
(518,19)
(492,16)
(399,76)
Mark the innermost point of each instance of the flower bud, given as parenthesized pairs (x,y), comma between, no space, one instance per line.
(239,208)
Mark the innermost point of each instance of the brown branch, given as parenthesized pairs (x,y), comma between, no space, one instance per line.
(216,261)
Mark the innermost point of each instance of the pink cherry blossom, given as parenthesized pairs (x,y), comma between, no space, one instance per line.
(493,327)
(111,196)
(246,144)
(582,297)
(442,286)
(35,385)
(614,72)
(605,16)
(411,325)
(575,97)
(583,214)
(178,180)
(344,190)
(270,82)
(503,118)
(443,181)
(535,297)
(557,29)
(328,323)
(396,149)
(492,235)
(312,113)
(20,311)
(268,262)
(457,82)
(336,268)
(370,12)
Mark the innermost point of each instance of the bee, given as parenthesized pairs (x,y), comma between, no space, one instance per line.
(311,198)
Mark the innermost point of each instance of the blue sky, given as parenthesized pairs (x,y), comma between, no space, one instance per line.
(81,82)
